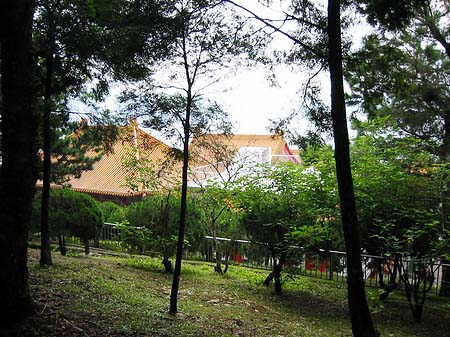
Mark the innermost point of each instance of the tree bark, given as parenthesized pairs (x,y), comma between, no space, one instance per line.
(217,253)
(173,309)
(46,249)
(18,174)
(168,269)
(360,316)
(179,255)
(62,244)
(87,247)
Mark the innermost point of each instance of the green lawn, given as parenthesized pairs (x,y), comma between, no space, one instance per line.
(128,296)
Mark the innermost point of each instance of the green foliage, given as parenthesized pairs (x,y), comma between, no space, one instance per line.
(71,213)
(399,190)
(112,212)
(136,239)
(81,46)
(298,201)
(391,14)
(403,78)
(152,226)
(158,218)
(217,211)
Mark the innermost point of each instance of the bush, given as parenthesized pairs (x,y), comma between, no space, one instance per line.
(112,212)
(159,216)
(71,213)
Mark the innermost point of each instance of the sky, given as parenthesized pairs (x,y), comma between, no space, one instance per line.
(251,100)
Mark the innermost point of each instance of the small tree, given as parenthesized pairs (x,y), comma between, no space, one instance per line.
(159,215)
(218,165)
(73,213)
(398,189)
(220,218)
(207,42)
(266,217)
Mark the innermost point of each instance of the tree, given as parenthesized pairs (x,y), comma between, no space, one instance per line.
(159,214)
(217,166)
(391,14)
(324,47)
(207,40)
(407,82)
(64,70)
(81,212)
(112,212)
(359,311)
(410,81)
(72,213)
(220,218)
(398,188)
(17,175)
(267,216)
(77,44)
(286,206)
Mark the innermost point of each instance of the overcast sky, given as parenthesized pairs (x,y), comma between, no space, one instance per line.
(251,100)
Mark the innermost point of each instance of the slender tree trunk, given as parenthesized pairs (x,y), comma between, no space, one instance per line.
(179,255)
(18,145)
(167,265)
(445,200)
(62,244)
(217,254)
(46,250)
(271,275)
(277,273)
(87,248)
(380,271)
(360,316)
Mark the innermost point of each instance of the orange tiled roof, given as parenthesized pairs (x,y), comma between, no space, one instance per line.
(108,174)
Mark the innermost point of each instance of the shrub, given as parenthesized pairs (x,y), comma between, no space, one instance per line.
(71,213)
(159,214)
(112,212)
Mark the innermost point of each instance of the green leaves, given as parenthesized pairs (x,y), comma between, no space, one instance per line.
(398,188)
(71,213)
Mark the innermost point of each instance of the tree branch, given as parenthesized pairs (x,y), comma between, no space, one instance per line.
(289,36)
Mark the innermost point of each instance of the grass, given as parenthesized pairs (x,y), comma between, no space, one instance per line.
(129,296)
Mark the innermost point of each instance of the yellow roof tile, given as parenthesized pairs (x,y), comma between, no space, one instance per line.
(108,174)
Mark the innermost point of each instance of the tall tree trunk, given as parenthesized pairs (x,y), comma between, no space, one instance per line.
(177,271)
(18,144)
(46,250)
(360,316)
(445,200)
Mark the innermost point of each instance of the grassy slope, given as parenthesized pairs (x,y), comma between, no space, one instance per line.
(128,296)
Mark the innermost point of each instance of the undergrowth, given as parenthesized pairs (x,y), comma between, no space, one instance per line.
(129,296)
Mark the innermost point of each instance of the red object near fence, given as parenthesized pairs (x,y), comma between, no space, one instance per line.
(309,264)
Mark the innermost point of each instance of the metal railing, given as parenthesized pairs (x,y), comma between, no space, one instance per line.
(378,271)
